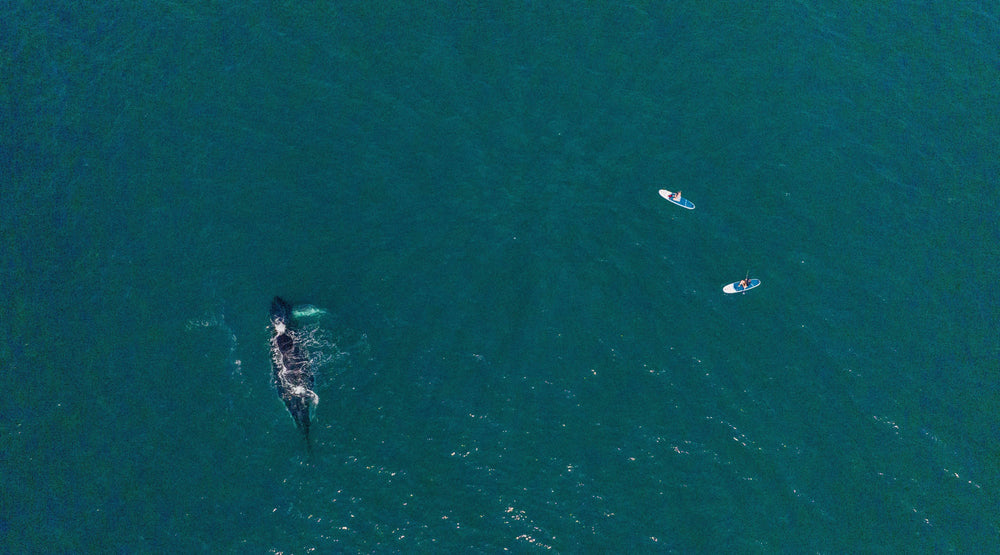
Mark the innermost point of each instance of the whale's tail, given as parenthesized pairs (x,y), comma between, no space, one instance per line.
(298,406)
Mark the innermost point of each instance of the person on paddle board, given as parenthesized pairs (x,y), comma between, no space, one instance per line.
(677,195)
(745,282)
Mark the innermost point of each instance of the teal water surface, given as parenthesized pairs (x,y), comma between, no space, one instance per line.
(525,347)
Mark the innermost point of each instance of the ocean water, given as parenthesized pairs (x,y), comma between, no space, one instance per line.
(524,348)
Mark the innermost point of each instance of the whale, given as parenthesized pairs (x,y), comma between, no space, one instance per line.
(292,372)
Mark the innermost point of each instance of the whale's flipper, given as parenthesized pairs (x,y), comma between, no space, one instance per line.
(293,375)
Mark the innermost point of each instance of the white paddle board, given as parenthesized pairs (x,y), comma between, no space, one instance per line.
(679,200)
(735,287)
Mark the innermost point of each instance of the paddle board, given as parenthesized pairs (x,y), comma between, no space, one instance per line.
(735,287)
(681,201)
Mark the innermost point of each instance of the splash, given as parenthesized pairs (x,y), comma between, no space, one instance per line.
(217,321)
